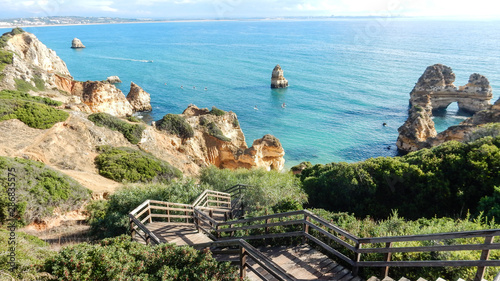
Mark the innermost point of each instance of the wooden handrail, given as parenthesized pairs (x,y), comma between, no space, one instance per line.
(250,251)
(314,225)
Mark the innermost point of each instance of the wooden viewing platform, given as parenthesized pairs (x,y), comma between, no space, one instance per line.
(205,224)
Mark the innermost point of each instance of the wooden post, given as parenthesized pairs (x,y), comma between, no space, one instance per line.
(485,255)
(196,221)
(211,215)
(149,213)
(186,214)
(388,256)
(306,228)
(148,239)
(243,263)
(132,230)
(355,269)
(168,213)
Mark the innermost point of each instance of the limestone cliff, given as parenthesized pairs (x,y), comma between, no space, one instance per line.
(277,78)
(138,98)
(435,90)
(40,67)
(233,152)
(32,61)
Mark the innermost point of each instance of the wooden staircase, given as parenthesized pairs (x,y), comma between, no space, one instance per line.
(316,244)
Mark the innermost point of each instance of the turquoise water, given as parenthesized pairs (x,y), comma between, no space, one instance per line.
(347,77)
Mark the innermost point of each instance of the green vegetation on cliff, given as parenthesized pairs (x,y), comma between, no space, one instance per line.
(39,190)
(445,181)
(35,112)
(132,165)
(132,132)
(175,125)
(216,132)
(217,112)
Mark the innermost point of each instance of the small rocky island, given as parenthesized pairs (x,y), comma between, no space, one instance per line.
(278,80)
(77,44)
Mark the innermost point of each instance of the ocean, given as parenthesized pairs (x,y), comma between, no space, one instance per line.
(347,76)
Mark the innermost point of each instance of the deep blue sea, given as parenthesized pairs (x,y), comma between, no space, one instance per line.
(347,76)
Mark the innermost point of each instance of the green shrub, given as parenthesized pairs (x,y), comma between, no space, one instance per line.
(39,83)
(6,36)
(176,125)
(134,119)
(30,254)
(131,165)
(217,112)
(216,132)
(488,130)
(115,222)
(132,132)
(266,188)
(18,95)
(33,111)
(5,59)
(444,181)
(236,123)
(120,259)
(24,86)
(490,205)
(39,190)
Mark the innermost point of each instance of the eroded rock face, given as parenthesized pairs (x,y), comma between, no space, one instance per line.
(435,90)
(77,44)
(233,153)
(277,79)
(32,61)
(138,98)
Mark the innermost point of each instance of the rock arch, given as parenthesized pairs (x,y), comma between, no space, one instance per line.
(435,90)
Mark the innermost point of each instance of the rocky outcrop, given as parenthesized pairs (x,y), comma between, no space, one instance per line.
(32,61)
(96,96)
(77,44)
(277,79)
(113,80)
(435,91)
(231,152)
(138,98)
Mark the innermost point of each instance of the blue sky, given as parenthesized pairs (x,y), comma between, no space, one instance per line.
(209,9)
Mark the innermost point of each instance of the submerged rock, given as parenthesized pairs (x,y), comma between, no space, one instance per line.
(277,79)
(77,44)
(113,80)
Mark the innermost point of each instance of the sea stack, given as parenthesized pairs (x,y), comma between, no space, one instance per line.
(138,98)
(278,80)
(77,44)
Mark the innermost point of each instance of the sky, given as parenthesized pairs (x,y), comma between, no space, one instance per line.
(213,9)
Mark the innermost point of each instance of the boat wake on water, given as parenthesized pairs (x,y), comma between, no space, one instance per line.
(125,59)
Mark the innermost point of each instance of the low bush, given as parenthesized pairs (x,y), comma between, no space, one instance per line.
(132,165)
(120,259)
(5,59)
(30,253)
(111,219)
(18,95)
(134,119)
(33,111)
(176,125)
(445,181)
(39,190)
(24,86)
(216,132)
(266,188)
(217,112)
(132,132)
(7,35)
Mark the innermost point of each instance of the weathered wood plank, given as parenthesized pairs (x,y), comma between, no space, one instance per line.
(443,248)
(256,226)
(439,236)
(434,263)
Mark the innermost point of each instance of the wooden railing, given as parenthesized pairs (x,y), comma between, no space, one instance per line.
(349,248)
(336,242)
(246,252)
